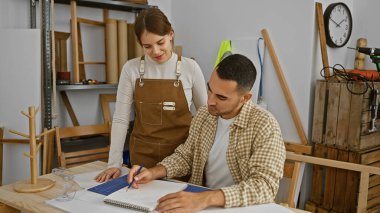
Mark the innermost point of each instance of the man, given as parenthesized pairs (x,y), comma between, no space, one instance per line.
(233,147)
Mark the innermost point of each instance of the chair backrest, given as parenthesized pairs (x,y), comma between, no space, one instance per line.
(72,158)
(292,170)
(105,100)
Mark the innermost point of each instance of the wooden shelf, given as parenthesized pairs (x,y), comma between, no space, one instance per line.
(108,4)
(86,87)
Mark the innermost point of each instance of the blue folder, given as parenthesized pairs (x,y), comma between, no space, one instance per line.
(111,186)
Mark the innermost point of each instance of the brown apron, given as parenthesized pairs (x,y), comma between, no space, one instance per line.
(162,118)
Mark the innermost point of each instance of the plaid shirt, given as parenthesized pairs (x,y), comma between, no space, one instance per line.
(255,156)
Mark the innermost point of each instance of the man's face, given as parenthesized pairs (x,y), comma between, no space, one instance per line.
(224,98)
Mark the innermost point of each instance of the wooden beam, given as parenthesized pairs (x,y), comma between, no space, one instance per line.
(285,88)
(332,163)
(298,148)
(90,22)
(322,39)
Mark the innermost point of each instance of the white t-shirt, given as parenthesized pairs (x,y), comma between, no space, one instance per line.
(193,84)
(218,174)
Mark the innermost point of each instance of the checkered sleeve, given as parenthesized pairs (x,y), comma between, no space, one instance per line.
(265,168)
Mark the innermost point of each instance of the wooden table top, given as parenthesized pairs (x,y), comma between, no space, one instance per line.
(35,202)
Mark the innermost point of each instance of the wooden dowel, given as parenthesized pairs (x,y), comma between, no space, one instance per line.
(16,141)
(32,144)
(285,88)
(19,133)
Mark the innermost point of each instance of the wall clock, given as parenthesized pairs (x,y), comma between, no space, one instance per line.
(338,24)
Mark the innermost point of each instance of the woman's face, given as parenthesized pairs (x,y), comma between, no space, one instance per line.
(159,48)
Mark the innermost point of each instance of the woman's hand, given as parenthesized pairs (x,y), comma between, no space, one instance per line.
(110,173)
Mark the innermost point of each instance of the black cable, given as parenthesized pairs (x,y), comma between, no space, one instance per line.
(348,77)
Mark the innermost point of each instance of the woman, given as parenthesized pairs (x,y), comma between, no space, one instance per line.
(161,87)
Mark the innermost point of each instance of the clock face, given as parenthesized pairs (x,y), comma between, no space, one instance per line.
(338,24)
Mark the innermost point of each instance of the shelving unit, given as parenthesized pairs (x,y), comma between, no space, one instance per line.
(46,49)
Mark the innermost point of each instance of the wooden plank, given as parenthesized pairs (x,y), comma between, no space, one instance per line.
(319,112)
(82,70)
(322,39)
(69,108)
(340,183)
(355,117)
(329,188)
(366,116)
(332,113)
(352,188)
(74,42)
(90,22)
(370,157)
(91,62)
(373,192)
(373,202)
(7,209)
(363,192)
(318,174)
(374,180)
(288,169)
(375,209)
(310,207)
(292,147)
(322,210)
(285,88)
(371,140)
(63,56)
(343,118)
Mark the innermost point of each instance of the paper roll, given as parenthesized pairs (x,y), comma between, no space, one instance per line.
(122,43)
(134,48)
(111,52)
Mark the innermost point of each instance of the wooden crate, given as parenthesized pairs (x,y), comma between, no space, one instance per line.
(336,190)
(342,119)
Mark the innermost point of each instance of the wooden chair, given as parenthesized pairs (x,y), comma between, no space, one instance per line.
(73,150)
(105,100)
(292,170)
(365,172)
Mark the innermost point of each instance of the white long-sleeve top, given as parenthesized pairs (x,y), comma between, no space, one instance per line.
(193,84)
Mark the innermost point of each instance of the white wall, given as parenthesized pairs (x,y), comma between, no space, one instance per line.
(20,71)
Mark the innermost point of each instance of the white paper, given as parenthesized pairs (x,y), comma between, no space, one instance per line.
(86,201)
(146,195)
(86,180)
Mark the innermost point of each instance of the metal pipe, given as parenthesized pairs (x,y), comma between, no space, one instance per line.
(46,63)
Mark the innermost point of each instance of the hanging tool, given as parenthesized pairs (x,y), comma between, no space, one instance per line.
(374,107)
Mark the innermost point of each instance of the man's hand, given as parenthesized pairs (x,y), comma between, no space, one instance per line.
(110,173)
(146,175)
(190,202)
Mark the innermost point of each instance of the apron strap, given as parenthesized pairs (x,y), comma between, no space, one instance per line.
(178,71)
(141,71)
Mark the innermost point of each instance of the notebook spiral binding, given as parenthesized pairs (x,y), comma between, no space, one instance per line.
(126,205)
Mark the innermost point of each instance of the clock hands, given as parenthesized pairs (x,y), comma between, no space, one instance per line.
(341,22)
(335,22)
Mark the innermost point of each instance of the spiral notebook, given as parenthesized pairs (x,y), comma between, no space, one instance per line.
(145,197)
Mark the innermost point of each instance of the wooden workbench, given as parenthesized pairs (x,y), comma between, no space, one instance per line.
(35,202)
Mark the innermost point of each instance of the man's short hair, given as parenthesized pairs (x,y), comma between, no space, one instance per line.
(238,68)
